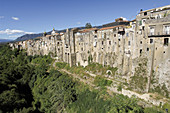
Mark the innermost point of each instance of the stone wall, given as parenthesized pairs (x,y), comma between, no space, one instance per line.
(121,46)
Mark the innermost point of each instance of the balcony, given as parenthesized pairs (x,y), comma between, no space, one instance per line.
(158,35)
(158,20)
(121,31)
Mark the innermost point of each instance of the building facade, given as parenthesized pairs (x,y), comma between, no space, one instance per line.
(123,44)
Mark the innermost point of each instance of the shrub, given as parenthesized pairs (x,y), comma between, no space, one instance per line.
(166,106)
(61,65)
(119,88)
(152,110)
(99,81)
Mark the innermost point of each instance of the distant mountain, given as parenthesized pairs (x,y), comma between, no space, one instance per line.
(28,36)
(5,40)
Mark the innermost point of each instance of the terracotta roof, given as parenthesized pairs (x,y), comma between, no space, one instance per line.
(87,30)
(133,20)
(38,37)
(74,28)
(48,35)
(60,34)
(105,28)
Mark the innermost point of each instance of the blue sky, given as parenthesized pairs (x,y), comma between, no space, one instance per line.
(19,17)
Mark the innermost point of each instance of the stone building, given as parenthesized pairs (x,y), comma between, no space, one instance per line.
(153,35)
(126,45)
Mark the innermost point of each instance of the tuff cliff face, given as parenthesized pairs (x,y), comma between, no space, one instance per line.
(140,50)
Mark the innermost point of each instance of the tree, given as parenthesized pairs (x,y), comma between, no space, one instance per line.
(88,25)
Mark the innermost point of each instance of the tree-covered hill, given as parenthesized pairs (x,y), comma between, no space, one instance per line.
(29,84)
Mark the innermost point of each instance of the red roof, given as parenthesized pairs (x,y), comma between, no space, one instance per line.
(87,30)
(105,28)
(48,35)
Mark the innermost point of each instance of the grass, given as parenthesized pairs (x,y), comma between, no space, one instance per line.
(100,69)
(61,65)
(100,81)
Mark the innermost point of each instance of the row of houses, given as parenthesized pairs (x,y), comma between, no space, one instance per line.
(123,44)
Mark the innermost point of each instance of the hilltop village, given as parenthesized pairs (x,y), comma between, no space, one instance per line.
(140,47)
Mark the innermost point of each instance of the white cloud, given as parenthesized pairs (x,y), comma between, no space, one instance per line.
(15,18)
(9,31)
(1,17)
(78,22)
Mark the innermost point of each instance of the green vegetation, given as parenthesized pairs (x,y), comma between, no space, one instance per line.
(157,88)
(161,90)
(99,69)
(88,25)
(100,81)
(166,106)
(91,102)
(61,65)
(119,88)
(79,70)
(29,84)
(139,80)
(95,68)
(53,92)
(153,110)
(15,74)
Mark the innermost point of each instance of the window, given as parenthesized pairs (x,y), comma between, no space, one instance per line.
(151,41)
(66,45)
(129,43)
(140,42)
(147,49)
(102,42)
(152,30)
(119,39)
(127,34)
(95,44)
(104,35)
(58,43)
(114,35)
(109,42)
(140,22)
(140,31)
(158,16)
(143,28)
(140,51)
(166,41)
(128,52)
(95,31)
(166,29)
(145,13)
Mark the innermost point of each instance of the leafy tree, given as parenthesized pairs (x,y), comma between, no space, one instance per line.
(15,74)
(53,92)
(88,25)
